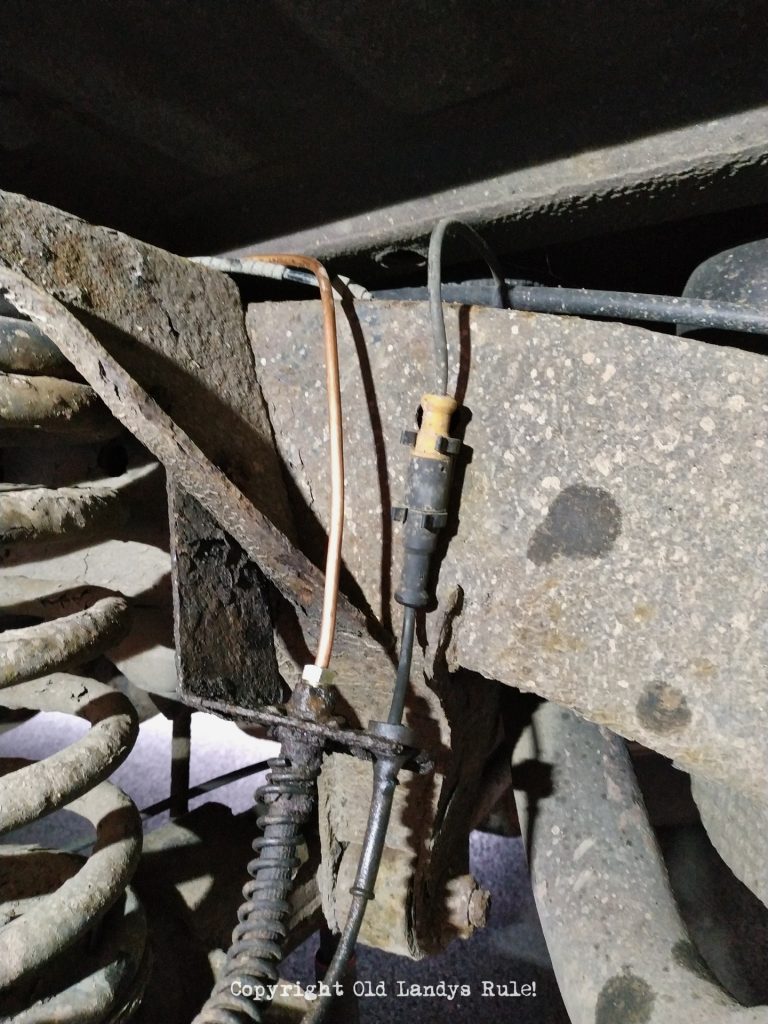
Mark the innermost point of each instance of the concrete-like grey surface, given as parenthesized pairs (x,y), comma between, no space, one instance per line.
(608,542)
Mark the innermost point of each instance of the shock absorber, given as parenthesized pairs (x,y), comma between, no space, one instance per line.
(62,917)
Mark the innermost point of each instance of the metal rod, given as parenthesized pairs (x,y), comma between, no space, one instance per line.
(601,885)
(344,1009)
(181,750)
(206,787)
(385,774)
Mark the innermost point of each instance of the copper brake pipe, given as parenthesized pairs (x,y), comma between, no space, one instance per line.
(333,388)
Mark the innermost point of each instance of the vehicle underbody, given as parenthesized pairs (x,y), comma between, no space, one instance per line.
(582,594)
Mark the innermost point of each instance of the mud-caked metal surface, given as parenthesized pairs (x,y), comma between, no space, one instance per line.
(26,349)
(52,406)
(40,513)
(610,542)
(620,951)
(65,643)
(283,563)
(49,903)
(430,825)
(182,326)
(222,612)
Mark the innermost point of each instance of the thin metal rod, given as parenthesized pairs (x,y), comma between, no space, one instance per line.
(192,793)
(207,787)
(385,774)
(181,751)
(333,386)
(434,275)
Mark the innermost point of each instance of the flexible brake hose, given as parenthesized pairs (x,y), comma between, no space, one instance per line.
(403,677)
(385,774)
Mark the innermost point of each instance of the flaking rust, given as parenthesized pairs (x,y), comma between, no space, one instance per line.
(178,329)
(224,646)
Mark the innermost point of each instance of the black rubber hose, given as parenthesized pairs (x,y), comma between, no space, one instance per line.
(434,285)
(403,667)
(695,314)
(385,772)
(702,314)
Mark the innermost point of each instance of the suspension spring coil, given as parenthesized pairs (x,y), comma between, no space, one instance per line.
(62,917)
(253,959)
(43,406)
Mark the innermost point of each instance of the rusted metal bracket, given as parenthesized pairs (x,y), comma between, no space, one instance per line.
(224,635)
(332,734)
(297,579)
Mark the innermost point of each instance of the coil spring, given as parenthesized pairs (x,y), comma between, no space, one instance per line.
(53,926)
(42,404)
(257,942)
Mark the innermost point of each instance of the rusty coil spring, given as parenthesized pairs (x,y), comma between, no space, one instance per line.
(72,934)
(42,406)
(254,957)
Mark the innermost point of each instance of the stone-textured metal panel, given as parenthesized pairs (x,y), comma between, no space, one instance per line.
(610,543)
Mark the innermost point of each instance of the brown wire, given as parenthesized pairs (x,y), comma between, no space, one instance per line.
(333,387)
